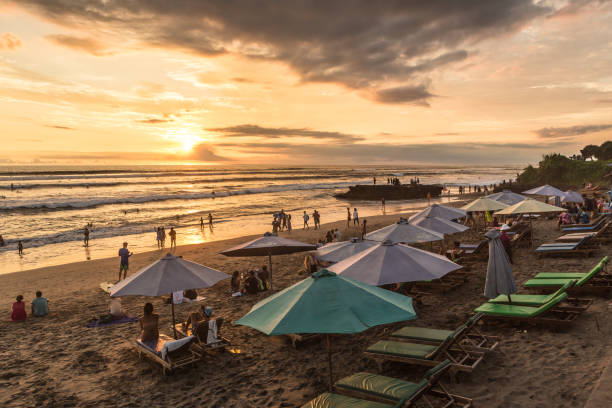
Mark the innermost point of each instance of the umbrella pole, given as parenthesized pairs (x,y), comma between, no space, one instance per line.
(329,361)
(509,299)
(270,265)
(531,228)
(173,323)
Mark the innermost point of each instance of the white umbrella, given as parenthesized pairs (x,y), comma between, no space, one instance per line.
(337,251)
(484,204)
(405,233)
(439,225)
(500,280)
(545,190)
(530,206)
(572,197)
(439,211)
(507,197)
(168,275)
(389,263)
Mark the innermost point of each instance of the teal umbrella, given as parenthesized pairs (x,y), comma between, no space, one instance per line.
(328,303)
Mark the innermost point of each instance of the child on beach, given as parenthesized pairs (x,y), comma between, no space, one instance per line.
(40,305)
(18,312)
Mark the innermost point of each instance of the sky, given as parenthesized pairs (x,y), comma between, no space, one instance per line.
(302,82)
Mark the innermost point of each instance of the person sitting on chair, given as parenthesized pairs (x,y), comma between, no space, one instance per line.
(149,324)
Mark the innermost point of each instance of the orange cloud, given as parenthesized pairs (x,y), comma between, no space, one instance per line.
(9,42)
(88,45)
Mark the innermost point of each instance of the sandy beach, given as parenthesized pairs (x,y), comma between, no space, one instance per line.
(57,361)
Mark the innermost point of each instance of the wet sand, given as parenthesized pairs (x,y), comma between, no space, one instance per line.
(57,361)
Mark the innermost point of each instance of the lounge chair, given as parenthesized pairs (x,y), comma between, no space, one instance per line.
(473,338)
(597,269)
(427,354)
(392,390)
(548,314)
(331,400)
(568,248)
(593,222)
(214,343)
(585,227)
(592,282)
(169,353)
(540,300)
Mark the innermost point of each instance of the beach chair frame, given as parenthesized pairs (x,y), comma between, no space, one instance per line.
(557,318)
(185,355)
(203,346)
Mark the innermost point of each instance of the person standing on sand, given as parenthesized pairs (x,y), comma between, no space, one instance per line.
(158,237)
(202,223)
(363,229)
(163,237)
(124,265)
(288,222)
(20,247)
(86,237)
(172,234)
(355,217)
(383,205)
(348,217)
(306,218)
(210,221)
(283,220)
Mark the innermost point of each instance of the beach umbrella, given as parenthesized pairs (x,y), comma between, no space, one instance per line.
(507,197)
(168,275)
(388,263)
(439,225)
(572,197)
(484,204)
(404,232)
(545,190)
(269,245)
(337,251)
(326,303)
(439,211)
(500,280)
(530,206)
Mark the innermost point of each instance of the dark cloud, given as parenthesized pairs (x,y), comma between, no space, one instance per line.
(9,41)
(155,121)
(574,7)
(570,132)
(360,44)
(61,127)
(416,95)
(275,133)
(88,45)
(204,152)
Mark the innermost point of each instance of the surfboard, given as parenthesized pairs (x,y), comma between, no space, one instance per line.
(105,286)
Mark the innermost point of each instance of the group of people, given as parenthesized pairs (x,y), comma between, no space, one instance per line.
(316,217)
(255,281)
(40,307)
(280,222)
(333,235)
(161,237)
(210,221)
(393,181)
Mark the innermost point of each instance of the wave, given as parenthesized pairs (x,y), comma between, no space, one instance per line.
(97,202)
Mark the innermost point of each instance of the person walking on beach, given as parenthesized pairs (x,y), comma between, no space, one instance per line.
(363,229)
(158,237)
(383,205)
(348,217)
(20,247)
(306,218)
(124,265)
(163,237)
(355,217)
(86,237)
(172,234)
(210,221)
(202,223)
(283,220)
(316,218)
(289,222)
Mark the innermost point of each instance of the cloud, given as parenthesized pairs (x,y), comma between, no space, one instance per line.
(416,95)
(154,121)
(60,127)
(88,45)
(570,132)
(275,133)
(448,134)
(359,44)
(9,41)
(204,152)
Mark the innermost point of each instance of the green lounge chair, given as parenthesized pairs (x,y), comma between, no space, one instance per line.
(330,400)
(427,354)
(473,338)
(588,283)
(600,267)
(392,390)
(540,300)
(548,314)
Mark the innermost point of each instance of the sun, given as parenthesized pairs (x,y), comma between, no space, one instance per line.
(184,137)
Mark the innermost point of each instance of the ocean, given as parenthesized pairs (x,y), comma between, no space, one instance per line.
(47,207)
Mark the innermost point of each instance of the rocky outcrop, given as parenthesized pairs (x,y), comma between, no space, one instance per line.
(391,192)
